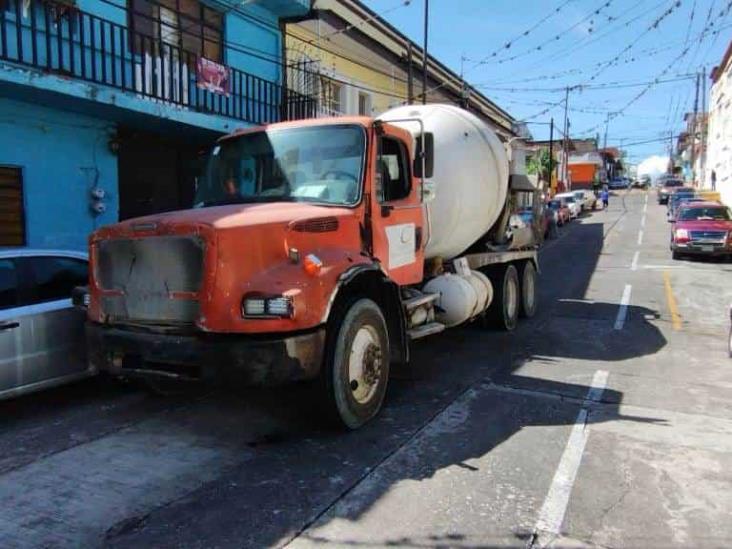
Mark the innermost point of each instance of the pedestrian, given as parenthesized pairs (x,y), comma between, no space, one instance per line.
(605,197)
(714,180)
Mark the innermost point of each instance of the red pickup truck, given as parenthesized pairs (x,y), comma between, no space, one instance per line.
(702,228)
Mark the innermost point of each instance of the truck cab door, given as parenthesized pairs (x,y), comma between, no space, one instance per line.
(397,217)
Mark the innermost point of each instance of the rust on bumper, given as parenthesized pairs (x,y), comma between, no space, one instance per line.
(206,357)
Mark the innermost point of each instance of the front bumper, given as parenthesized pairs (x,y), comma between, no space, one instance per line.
(702,249)
(212,358)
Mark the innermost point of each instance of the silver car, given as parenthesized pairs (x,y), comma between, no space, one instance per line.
(41,333)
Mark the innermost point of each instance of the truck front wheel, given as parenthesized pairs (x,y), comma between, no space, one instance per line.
(356,368)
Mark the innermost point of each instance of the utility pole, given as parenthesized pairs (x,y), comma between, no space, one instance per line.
(607,122)
(705,122)
(410,74)
(565,145)
(693,132)
(424,51)
(551,153)
(670,152)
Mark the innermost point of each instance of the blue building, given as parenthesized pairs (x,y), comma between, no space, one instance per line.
(107,105)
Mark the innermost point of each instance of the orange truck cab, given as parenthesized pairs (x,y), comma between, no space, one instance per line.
(294,224)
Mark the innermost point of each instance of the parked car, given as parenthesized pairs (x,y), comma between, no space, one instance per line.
(702,228)
(677,199)
(643,182)
(571,202)
(619,183)
(41,333)
(666,187)
(546,218)
(586,198)
(562,211)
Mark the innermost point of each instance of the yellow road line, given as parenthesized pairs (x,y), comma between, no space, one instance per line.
(671,300)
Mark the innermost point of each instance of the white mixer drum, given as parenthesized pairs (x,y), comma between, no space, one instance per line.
(470,177)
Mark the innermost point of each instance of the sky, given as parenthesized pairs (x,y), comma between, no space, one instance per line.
(615,49)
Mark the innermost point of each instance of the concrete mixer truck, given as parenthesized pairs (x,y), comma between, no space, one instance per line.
(317,250)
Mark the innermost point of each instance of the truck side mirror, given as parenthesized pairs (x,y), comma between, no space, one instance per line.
(429,155)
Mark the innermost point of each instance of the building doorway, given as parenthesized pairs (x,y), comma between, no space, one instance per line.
(156,174)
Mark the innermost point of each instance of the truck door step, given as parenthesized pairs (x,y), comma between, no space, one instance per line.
(419,301)
(424,330)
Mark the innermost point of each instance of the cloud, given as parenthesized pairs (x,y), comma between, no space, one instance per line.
(654,166)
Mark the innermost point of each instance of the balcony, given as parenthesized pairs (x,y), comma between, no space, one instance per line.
(55,37)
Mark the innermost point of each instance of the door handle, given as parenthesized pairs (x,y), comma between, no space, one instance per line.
(9,325)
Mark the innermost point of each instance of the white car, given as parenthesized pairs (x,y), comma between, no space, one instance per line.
(575,208)
(586,198)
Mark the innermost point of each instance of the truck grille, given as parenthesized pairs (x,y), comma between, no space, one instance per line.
(708,236)
(151,279)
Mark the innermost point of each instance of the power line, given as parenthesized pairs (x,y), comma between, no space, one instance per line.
(653,26)
(366,20)
(582,44)
(353,60)
(507,45)
(557,36)
(525,33)
(668,67)
(585,87)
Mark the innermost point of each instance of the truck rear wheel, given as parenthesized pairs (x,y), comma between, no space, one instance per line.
(504,310)
(356,369)
(527,273)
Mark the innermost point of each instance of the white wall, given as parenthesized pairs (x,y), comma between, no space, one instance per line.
(719,137)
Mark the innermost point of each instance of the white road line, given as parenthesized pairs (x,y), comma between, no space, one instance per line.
(640,237)
(634,264)
(645,200)
(623,310)
(555,504)
(645,208)
(643,221)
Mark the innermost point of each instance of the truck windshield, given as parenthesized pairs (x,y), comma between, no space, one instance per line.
(316,164)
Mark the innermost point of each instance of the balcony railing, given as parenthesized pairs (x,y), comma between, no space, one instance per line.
(58,38)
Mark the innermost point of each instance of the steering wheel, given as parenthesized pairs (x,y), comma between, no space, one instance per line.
(339,174)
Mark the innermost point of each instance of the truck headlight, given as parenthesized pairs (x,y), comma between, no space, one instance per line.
(259,306)
(681,235)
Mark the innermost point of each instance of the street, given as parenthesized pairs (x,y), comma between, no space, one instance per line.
(604,421)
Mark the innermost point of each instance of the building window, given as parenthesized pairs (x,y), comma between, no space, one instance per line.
(186,24)
(364,104)
(12,215)
(332,92)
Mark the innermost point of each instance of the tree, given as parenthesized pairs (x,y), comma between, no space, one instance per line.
(542,165)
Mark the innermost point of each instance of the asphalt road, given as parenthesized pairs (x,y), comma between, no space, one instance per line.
(604,421)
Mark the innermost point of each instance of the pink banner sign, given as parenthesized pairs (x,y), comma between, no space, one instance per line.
(212,76)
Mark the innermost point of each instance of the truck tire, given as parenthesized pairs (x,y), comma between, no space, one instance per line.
(504,310)
(527,274)
(356,368)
